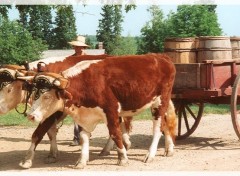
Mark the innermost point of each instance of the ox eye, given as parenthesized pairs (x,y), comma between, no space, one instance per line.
(46,97)
(9,90)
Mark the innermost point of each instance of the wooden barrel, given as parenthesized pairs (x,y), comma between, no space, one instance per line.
(235,44)
(181,50)
(214,48)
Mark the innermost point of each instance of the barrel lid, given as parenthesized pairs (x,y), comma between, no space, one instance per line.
(235,38)
(172,39)
(213,37)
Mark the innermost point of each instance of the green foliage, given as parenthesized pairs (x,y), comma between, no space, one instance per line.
(188,21)
(4,11)
(65,30)
(90,41)
(17,44)
(153,32)
(109,29)
(38,20)
(127,46)
(23,14)
(194,20)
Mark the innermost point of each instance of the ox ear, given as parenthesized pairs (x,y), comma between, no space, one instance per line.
(65,95)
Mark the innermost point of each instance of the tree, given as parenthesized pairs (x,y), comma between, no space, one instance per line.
(23,14)
(188,21)
(153,32)
(65,30)
(109,28)
(38,20)
(17,44)
(4,11)
(194,20)
(127,46)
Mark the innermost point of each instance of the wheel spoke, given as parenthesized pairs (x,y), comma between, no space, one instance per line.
(185,119)
(191,119)
(190,111)
(179,122)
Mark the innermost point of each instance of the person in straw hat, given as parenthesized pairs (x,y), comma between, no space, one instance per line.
(79,45)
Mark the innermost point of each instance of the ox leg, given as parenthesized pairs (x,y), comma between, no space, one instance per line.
(116,135)
(154,145)
(107,148)
(84,156)
(52,156)
(110,143)
(156,131)
(169,145)
(170,130)
(37,136)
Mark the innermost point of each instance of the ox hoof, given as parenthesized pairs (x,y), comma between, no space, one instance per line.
(50,159)
(104,153)
(123,162)
(148,159)
(80,165)
(26,164)
(168,153)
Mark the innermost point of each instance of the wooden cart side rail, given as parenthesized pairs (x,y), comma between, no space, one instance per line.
(222,61)
(219,73)
(213,74)
(201,93)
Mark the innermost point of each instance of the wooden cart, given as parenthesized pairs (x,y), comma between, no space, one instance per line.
(213,81)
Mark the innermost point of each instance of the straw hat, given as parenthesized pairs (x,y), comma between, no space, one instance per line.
(80,41)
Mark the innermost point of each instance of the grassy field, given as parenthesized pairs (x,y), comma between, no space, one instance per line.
(13,118)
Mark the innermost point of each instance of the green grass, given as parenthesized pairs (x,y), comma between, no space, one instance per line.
(13,118)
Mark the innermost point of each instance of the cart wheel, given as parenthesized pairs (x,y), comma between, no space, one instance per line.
(235,108)
(189,116)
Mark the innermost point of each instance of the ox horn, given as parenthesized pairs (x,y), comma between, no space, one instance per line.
(19,73)
(57,83)
(26,78)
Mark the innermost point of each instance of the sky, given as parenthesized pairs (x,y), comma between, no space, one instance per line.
(87,18)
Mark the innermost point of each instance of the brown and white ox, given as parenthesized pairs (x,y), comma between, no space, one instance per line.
(12,93)
(109,88)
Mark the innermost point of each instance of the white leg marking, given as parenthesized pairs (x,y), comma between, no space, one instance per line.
(27,161)
(156,137)
(125,135)
(122,157)
(84,156)
(169,146)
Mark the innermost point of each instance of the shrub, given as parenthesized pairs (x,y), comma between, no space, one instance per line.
(17,44)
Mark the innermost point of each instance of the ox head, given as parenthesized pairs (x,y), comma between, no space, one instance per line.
(11,92)
(49,95)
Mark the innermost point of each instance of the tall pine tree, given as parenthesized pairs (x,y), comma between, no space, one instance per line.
(38,20)
(65,30)
(4,11)
(109,28)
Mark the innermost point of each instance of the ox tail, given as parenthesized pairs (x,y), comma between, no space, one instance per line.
(128,123)
(171,120)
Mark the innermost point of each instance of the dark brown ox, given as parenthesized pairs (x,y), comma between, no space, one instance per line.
(106,89)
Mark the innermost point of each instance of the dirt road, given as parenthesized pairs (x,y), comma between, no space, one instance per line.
(214,146)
